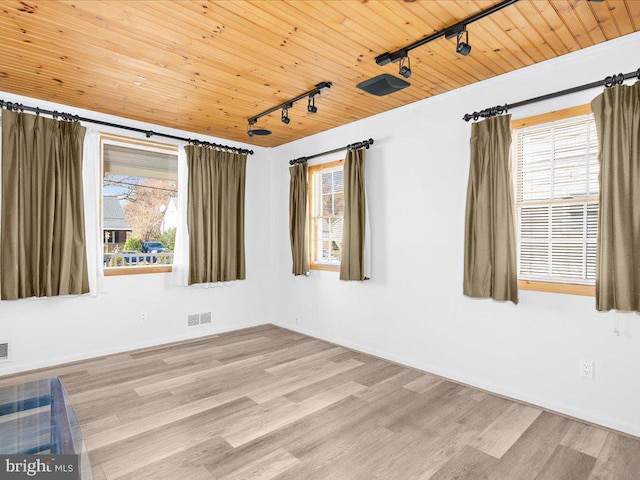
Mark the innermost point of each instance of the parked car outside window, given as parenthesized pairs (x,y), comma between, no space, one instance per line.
(152,247)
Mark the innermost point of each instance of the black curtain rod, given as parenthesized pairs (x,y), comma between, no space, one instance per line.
(447,32)
(353,146)
(149,133)
(608,82)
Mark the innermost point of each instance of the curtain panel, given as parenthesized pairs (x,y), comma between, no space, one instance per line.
(180,271)
(298,218)
(215,215)
(42,250)
(490,263)
(92,188)
(354,262)
(617,115)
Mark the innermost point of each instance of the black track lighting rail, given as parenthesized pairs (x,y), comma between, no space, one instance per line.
(319,88)
(352,146)
(448,32)
(608,82)
(149,133)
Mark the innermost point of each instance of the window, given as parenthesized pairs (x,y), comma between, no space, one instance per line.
(556,185)
(326,206)
(139,205)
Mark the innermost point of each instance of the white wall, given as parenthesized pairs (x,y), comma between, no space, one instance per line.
(52,331)
(412,310)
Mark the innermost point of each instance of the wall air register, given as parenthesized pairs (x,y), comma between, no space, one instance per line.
(4,351)
(195,319)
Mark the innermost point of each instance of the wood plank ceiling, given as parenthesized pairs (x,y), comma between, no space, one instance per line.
(206,66)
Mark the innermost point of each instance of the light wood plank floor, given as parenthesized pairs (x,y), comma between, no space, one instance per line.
(266,403)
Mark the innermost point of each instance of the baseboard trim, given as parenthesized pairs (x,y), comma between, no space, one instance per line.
(628,430)
(34,367)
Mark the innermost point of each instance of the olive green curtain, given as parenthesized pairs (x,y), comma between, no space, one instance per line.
(298,214)
(215,214)
(490,268)
(353,264)
(42,251)
(617,116)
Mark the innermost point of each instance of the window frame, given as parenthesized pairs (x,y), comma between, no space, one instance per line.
(141,144)
(311,171)
(540,286)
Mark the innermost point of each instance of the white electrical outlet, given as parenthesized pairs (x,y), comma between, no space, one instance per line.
(586,368)
(143,316)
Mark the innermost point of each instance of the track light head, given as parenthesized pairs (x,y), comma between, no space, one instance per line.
(285,115)
(311,106)
(405,67)
(463,48)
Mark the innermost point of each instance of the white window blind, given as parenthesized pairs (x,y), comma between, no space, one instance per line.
(557,200)
(137,162)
